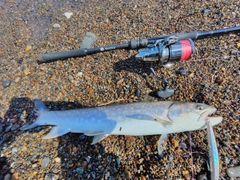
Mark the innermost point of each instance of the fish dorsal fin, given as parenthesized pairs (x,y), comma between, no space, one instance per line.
(99,137)
(40,105)
(55,132)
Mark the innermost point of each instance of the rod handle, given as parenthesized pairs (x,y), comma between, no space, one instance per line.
(50,57)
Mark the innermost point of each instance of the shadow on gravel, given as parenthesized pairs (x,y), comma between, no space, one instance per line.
(141,68)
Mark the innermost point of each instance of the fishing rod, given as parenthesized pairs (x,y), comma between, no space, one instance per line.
(164,50)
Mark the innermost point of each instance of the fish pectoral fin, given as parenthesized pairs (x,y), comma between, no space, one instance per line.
(55,132)
(162,120)
(161,143)
(99,137)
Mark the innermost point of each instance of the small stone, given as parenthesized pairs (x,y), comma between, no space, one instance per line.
(79,170)
(35,165)
(17,79)
(80,74)
(183,145)
(45,162)
(29,47)
(8,128)
(120,81)
(233,171)
(93,175)
(227,160)
(15,176)
(7,177)
(20,61)
(205,12)
(56,25)
(218,80)
(68,14)
(6,83)
(182,71)
(82,137)
(6,137)
(219,21)
(1,128)
(14,127)
(57,160)
(202,177)
(118,161)
(206,86)
(142,177)
(14,150)
(27,71)
(50,176)
(137,92)
(33,157)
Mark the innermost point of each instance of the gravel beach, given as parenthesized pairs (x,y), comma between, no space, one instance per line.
(211,76)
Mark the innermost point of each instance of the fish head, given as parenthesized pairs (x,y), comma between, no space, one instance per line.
(193,116)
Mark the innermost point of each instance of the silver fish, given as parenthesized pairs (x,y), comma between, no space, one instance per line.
(134,119)
(213,153)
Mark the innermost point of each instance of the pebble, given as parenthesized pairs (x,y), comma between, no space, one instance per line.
(14,127)
(82,137)
(1,128)
(45,162)
(15,176)
(218,80)
(182,71)
(202,177)
(205,12)
(234,171)
(20,61)
(58,160)
(137,92)
(50,176)
(183,145)
(7,177)
(14,150)
(68,14)
(56,26)
(6,83)
(79,170)
(118,161)
(227,160)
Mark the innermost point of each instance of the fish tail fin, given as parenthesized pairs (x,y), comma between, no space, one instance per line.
(39,108)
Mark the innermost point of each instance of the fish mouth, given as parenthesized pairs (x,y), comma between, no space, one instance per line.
(206,116)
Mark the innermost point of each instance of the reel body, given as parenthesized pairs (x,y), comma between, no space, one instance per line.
(167,51)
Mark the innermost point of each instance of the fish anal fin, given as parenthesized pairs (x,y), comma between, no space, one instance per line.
(99,138)
(55,132)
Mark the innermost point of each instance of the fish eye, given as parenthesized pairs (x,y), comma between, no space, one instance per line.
(200,107)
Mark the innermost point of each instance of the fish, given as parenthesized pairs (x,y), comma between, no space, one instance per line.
(213,153)
(132,119)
